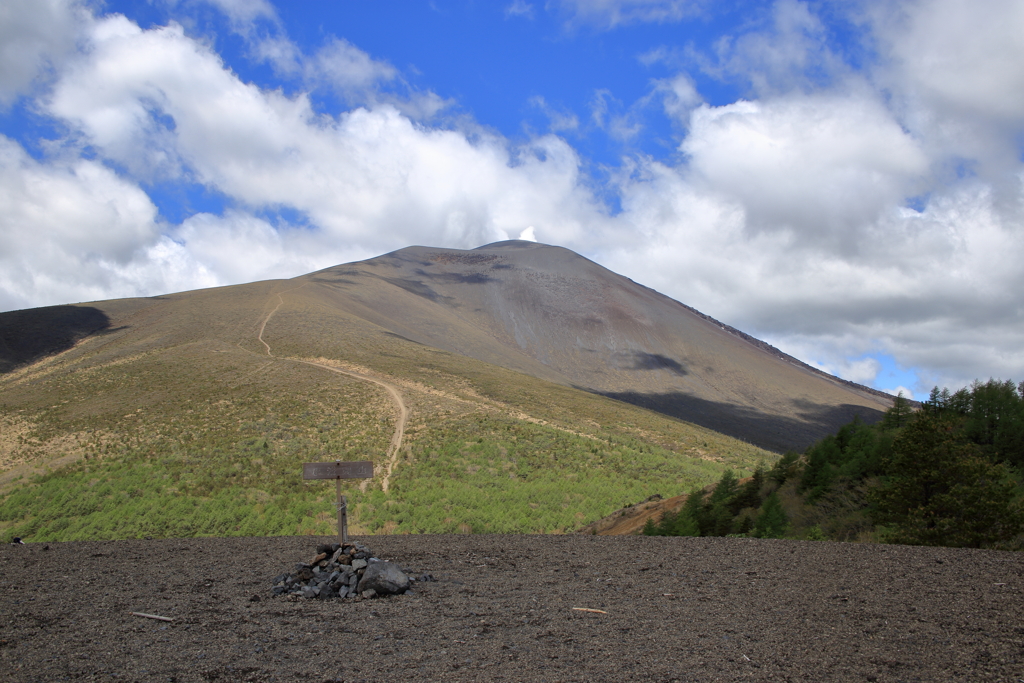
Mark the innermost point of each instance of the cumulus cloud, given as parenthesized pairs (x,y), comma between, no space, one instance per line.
(791,53)
(902,390)
(679,96)
(821,166)
(935,289)
(240,247)
(68,230)
(163,105)
(35,36)
(955,70)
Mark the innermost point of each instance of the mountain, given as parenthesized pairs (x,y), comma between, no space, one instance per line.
(540,310)
(556,315)
(512,388)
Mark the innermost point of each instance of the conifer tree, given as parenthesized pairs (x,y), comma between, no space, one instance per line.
(940,490)
(899,413)
(749,495)
(772,521)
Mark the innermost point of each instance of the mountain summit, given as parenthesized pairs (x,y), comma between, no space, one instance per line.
(551,313)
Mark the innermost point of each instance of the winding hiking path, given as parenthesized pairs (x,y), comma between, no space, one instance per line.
(396,398)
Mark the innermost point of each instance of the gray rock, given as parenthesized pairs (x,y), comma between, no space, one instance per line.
(368,593)
(308,592)
(358,564)
(385,578)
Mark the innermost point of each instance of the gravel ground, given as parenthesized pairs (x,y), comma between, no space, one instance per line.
(676,609)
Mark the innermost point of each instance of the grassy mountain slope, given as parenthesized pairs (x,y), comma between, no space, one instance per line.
(171,418)
(191,413)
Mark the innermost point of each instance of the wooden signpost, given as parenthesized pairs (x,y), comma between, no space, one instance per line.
(337,471)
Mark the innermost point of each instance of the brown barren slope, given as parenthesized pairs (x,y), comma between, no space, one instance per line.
(631,519)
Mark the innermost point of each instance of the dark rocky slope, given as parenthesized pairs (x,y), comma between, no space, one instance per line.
(502,609)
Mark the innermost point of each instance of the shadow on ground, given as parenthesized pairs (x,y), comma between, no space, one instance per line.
(773,432)
(29,335)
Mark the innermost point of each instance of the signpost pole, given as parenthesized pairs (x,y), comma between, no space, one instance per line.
(337,471)
(342,512)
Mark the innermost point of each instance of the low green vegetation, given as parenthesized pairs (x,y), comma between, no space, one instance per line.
(948,474)
(518,477)
(175,421)
(207,439)
(477,474)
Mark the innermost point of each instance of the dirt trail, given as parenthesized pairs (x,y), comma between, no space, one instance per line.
(396,398)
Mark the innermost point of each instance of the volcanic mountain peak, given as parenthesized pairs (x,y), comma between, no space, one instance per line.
(552,313)
(540,310)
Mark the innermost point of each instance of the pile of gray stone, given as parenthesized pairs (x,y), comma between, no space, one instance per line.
(345,571)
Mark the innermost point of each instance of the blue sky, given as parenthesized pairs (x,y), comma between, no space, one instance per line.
(841,179)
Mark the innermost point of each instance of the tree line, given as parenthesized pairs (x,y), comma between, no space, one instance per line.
(947,473)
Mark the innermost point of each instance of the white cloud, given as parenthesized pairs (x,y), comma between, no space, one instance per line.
(559,119)
(348,69)
(34,35)
(245,12)
(679,96)
(282,54)
(959,54)
(239,247)
(608,114)
(954,68)
(612,13)
(791,53)
(529,234)
(519,8)
(907,393)
(822,166)
(936,289)
(369,177)
(67,230)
